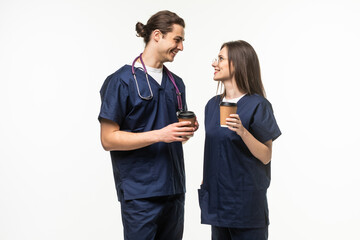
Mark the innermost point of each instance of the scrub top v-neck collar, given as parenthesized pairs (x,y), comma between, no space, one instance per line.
(152,70)
(164,80)
(234,100)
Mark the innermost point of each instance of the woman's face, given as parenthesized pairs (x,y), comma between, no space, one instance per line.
(221,66)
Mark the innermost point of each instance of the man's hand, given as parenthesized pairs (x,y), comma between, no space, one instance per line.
(176,132)
(196,125)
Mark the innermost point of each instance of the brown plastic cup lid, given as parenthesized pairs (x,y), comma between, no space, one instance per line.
(186,114)
(228,104)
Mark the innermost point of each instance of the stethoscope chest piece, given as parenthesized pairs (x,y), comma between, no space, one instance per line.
(138,90)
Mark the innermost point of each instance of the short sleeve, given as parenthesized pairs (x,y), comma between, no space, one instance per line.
(263,125)
(114,95)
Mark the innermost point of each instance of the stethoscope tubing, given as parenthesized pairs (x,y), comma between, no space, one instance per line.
(147,79)
(178,93)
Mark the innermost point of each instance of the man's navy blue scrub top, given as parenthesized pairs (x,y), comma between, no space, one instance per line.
(233,193)
(155,170)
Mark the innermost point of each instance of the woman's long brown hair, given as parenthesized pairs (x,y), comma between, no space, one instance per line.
(243,58)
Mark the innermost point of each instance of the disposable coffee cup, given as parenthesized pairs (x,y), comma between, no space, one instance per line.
(187,116)
(226,108)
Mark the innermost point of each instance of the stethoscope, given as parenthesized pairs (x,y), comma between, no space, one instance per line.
(178,93)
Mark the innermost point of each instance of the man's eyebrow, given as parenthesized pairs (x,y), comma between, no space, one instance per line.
(181,38)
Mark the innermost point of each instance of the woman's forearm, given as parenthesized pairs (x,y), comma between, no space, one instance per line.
(261,151)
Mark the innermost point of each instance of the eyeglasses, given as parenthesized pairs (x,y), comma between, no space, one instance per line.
(218,60)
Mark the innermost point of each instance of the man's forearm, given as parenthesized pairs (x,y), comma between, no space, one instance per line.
(114,139)
(125,141)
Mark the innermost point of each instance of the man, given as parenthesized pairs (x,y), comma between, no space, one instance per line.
(139,127)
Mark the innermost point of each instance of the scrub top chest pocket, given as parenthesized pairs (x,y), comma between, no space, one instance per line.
(139,112)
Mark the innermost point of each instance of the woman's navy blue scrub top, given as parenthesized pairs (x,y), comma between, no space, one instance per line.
(233,193)
(155,170)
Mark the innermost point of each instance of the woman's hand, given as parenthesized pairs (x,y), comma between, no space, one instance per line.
(261,151)
(234,124)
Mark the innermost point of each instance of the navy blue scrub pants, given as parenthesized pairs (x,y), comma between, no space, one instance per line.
(220,233)
(156,218)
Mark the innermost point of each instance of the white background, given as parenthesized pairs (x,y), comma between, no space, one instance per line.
(55,179)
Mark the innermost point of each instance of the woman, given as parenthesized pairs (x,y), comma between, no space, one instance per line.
(237,157)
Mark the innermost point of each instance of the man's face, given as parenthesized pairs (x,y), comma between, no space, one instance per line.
(171,43)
